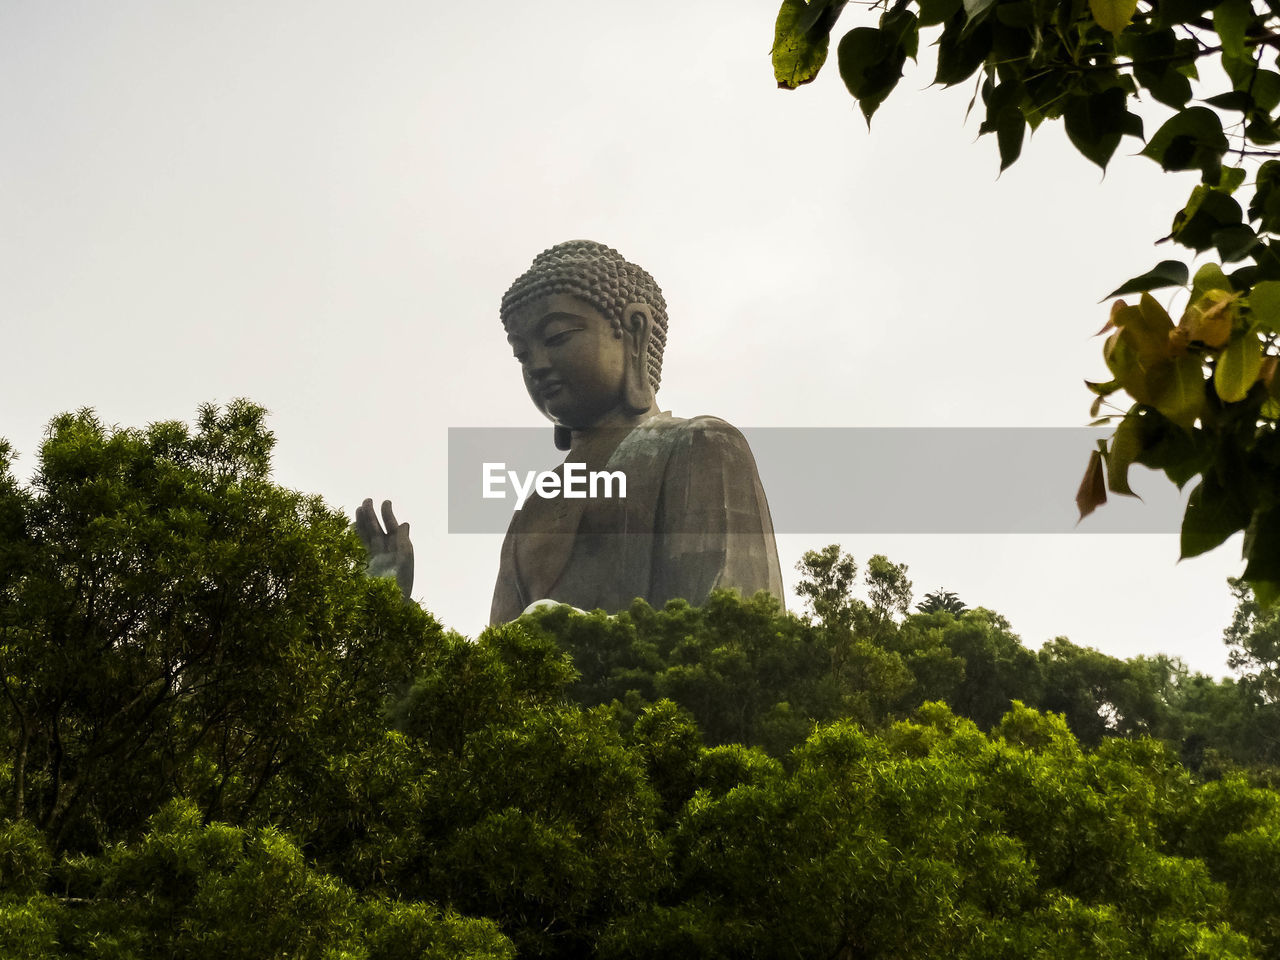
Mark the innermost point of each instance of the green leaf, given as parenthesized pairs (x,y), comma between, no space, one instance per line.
(934,12)
(1266,592)
(1010,130)
(1262,555)
(1156,66)
(1262,130)
(1167,447)
(960,51)
(1180,396)
(870,65)
(1168,85)
(1230,19)
(904,28)
(1166,273)
(1095,123)
(1264,304)
(1238,367)
(1264,87)
(819,17)
(1173,13)
(974,9)
(1235,242)
(801,36)
(1231,179)
(1238,100)
(1208,212)
(1004,117)
(1125,448)
(1191,139)
(1265,205)
(1209,276)
(1212,515)
(1113,15)
(1020,14)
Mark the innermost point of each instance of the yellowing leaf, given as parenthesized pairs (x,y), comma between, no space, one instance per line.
(1146,329)
(1209,319)
(1113,15)
(1154,314)
(1238,368)
(799,51)
(1126,365)
(1111,317)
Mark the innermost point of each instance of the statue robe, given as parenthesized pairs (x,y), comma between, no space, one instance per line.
(694,519)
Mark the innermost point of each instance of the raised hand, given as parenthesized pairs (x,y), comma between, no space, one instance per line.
(390,552)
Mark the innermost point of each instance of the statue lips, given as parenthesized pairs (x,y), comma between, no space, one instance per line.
(549,388)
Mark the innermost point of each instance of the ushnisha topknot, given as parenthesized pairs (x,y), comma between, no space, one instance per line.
(600,276)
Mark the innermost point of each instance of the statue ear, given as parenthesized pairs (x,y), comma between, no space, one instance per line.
(637,325)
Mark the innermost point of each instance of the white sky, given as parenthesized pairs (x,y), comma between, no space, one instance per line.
(318,205)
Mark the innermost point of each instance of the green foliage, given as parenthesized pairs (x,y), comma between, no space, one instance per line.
(941,601)
(271,755)
(744,670)
(1204,399)
(171,622)
(29,919)
(933,839)
(518,805)
(188,889)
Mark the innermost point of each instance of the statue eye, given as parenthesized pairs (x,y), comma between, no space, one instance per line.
(556,339)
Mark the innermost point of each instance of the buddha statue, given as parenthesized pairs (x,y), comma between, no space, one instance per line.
(588,329)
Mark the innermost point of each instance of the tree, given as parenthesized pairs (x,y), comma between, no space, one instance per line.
(173,623)
(827,584)
(1204,398)
(189,889)
(888,588)
(932,839)
(312,768)
(1254,640)
(941,601)
(744,669)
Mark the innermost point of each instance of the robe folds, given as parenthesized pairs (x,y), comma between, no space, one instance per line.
(694,519)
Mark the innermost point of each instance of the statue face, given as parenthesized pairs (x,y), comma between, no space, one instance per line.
(572,359)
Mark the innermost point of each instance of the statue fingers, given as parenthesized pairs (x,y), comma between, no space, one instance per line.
(403,545)
(389,518)
(367,527)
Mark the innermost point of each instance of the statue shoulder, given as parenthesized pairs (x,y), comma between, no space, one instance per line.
(711,430)
(674,428)
(705,439)
(695,442)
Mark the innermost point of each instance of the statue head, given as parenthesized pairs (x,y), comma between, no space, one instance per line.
(589,329)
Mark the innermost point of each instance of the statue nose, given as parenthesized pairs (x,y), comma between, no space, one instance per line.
(539,364)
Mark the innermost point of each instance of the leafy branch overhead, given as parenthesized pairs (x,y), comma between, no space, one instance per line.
(1203,395)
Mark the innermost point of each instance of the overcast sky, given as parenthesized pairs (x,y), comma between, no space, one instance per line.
(318,205)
